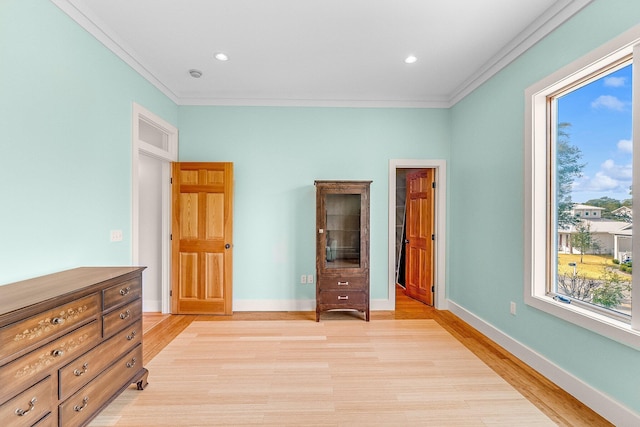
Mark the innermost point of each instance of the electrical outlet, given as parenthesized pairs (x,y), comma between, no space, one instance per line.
(115,235)
(512,309)
(303,279)
(310,278)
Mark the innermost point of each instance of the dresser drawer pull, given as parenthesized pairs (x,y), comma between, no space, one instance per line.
(125,315)
(32,405)
(57,353)
(343,297)
(343,283)
(78,372)
(79,408)
(125,291)
(57,321)
(132,363)
(131,335)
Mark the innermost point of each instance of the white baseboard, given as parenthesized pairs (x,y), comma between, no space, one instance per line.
(601,403)
(297,305)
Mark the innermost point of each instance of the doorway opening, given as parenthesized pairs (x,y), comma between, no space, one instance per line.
(398,169)
(154,147)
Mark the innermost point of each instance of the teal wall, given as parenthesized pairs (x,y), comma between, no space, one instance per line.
(65,149)
(277,155)
(65,157)
(486,207)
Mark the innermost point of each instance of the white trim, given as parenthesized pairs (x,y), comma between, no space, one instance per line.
(536,187)
(440,167)
(556,15)
(603,404)
(168,155)
(552,18)
(93,26)
(240,305)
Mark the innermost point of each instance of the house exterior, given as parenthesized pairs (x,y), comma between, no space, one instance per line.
(613,237)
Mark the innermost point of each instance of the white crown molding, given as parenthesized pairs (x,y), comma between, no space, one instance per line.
(92,25)
(555,16)
(440,103)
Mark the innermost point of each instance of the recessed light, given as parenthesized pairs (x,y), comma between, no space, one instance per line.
(410,59)
(220,56)
(196,74)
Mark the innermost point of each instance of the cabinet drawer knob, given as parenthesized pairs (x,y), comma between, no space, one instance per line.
(79,408)
(78,372)
(32,404)
(57,353)
(125,291)
(343,297)
(132,363)
(57,321)
(131,335)
(343,283)
(125,315)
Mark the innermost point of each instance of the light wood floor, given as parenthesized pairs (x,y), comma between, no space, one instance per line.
(560,407)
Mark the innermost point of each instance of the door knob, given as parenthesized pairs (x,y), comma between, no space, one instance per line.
(227,246)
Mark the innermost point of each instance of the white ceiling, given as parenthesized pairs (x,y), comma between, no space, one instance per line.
(319,52)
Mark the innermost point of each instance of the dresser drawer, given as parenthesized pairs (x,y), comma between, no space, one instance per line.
(86,367)
(122,293)
(25,335)
(82,405)
(121,318)
(337,299)
(342,283)
(32,367)
(29,406)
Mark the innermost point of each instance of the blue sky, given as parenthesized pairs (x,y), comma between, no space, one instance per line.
(600,117)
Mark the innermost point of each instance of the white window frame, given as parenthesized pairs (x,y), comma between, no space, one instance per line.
(537,215)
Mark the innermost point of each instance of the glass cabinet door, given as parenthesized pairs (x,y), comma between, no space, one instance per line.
(342,231)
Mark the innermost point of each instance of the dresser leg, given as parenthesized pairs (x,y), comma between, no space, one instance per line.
(142,382)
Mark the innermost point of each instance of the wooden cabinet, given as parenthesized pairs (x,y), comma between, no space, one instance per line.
(70,342)
(342,246)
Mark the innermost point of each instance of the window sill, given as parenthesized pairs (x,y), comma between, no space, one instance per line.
(592,321)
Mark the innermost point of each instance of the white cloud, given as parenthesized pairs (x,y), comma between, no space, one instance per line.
(610,168)
(614,81)
(625,145)
(611,178)
(608,101)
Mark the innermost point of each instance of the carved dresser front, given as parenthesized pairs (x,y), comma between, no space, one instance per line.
(70,343)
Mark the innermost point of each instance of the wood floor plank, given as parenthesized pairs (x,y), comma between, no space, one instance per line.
(427,367)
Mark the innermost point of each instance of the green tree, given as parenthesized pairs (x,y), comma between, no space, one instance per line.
(611,291)
(568,170)
(583,239)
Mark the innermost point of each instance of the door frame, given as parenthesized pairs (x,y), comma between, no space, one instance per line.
(440,167)
(168,155)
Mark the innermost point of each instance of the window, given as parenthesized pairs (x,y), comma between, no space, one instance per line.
(579,145)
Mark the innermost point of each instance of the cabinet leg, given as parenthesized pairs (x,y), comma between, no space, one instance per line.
(142,382)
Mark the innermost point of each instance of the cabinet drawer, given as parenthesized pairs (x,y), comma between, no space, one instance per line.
(122,293)
(86,367)
(342,283)
(29,406)
(83,405)
(121,318)
(20,337)
(342,298)
(34,366)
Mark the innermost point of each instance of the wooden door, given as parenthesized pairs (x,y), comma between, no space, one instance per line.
(419,270)
(201,243)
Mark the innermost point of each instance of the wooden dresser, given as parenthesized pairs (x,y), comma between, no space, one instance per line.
(70,342)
